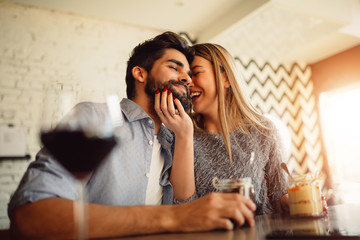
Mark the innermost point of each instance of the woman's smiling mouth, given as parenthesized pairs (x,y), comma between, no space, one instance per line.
(194,95)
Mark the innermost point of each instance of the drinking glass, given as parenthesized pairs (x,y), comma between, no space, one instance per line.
(242,186)
(78,142)
(305,196)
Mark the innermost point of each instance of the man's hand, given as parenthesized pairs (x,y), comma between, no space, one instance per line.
(214,211)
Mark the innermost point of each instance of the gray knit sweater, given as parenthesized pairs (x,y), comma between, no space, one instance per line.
(211,160)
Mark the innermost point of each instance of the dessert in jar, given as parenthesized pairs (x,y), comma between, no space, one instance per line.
(242,186)
(305,196)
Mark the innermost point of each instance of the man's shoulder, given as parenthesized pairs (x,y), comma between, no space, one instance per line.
(132,111)
(90,105)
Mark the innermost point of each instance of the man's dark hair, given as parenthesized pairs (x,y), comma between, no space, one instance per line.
(145,54)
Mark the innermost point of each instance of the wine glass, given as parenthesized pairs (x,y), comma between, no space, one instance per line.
(79,142)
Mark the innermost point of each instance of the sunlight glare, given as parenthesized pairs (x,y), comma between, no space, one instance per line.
(340,118)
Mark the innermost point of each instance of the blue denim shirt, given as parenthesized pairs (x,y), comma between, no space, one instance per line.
(121,179)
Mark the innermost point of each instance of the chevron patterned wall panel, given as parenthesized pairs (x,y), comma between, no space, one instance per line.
(287,93)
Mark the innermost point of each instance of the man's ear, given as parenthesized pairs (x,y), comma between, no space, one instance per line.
(139,73)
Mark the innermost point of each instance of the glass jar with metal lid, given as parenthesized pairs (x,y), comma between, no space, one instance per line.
(242,186)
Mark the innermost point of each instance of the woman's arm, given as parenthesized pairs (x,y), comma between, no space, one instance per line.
(182,171)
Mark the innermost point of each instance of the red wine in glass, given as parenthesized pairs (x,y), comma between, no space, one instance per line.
(78,153)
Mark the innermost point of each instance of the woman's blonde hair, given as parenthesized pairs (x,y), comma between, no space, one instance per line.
(235,111)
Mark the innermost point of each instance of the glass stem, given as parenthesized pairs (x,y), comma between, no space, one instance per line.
(80,212)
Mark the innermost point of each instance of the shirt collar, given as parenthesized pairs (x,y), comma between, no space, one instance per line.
(132,111)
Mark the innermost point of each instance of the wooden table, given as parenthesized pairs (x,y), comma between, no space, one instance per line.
(340,217)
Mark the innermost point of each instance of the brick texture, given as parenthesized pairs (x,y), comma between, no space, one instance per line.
(40,48)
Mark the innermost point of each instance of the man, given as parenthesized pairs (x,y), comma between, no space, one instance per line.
(140,173)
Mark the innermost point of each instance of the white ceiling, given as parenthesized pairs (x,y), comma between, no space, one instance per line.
(279,30)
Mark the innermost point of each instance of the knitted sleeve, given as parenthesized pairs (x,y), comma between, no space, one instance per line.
(274,176)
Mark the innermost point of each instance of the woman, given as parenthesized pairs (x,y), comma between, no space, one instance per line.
(231,139)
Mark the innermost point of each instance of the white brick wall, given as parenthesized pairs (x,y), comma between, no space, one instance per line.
(85,55)
(10,175)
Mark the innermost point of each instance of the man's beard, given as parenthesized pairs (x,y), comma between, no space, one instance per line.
(184,98)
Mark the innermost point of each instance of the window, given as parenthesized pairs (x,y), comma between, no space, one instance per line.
(340,121)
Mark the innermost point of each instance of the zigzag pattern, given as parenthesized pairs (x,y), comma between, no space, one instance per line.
(288,94)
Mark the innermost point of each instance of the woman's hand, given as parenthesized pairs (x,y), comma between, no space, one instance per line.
(284,203)
(282,206)
(177,120)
